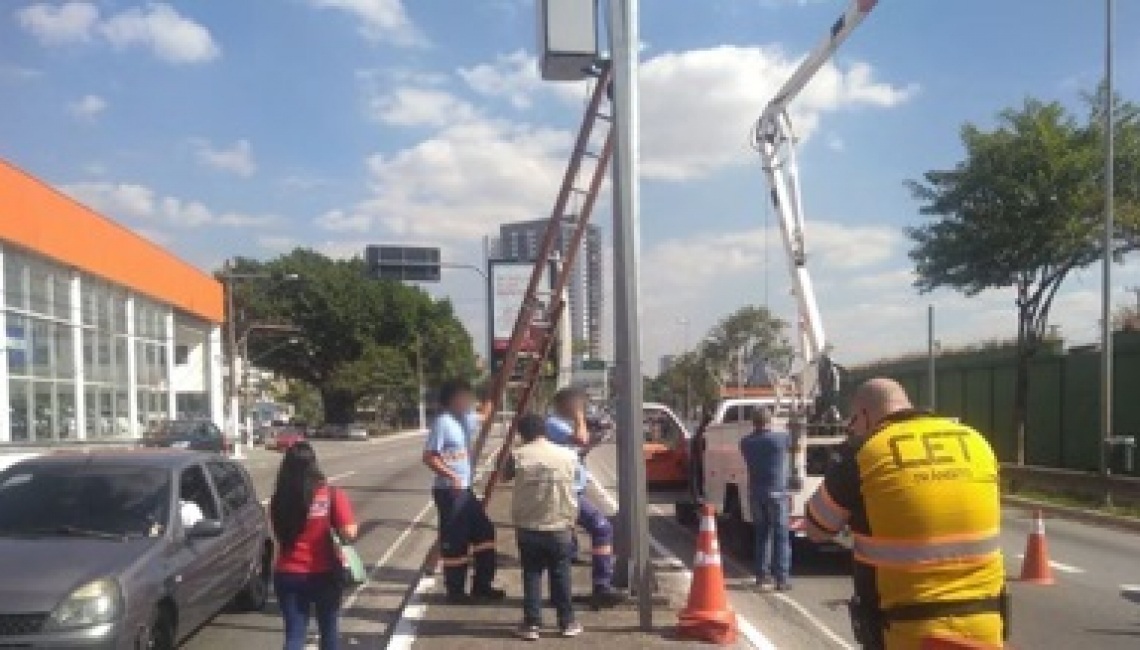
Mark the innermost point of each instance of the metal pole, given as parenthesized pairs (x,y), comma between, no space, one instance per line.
(421,390)
(623,27)
(231,344)
(1106,287)
(931,400)
(245,364)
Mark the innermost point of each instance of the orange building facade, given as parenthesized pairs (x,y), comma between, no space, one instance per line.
(105,332)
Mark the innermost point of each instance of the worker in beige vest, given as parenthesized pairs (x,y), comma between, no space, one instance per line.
(544,509)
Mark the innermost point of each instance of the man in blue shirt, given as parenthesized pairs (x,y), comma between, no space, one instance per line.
(766,454)
(567,426)
(464,526)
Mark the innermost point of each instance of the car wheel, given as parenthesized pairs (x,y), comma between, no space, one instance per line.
(161,634)
(255,593)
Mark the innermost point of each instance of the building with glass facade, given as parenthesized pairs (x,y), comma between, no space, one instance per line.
(104,331)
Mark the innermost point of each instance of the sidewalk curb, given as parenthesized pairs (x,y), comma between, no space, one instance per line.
(1130,524)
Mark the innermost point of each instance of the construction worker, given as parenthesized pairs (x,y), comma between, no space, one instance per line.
(920,495)
(464,527)
(765,453)
(567,426)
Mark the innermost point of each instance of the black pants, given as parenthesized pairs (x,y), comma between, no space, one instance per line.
(549,552)
(464,531)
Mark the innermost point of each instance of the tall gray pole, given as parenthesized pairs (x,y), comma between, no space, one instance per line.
(231,344)
(623,26)
(931,379)
(1106,287)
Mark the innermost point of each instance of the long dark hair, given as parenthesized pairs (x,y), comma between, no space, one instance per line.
(297,482)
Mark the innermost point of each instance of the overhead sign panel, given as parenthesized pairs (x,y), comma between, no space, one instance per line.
(403,263)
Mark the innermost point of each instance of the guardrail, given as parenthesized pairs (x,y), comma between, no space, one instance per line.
(1124,490)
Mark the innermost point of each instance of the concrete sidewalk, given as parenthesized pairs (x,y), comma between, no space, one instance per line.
(430,623)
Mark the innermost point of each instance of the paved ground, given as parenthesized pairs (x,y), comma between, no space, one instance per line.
(1086,608)
(386,482)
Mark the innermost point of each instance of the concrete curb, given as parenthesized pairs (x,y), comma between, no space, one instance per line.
(1130,524)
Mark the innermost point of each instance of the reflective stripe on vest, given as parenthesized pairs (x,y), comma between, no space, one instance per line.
(827,512)
(919,554)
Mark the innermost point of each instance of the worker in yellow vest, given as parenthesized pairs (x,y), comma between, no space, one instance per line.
(919,493)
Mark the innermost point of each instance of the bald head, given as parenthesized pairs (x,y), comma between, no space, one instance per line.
(879,398)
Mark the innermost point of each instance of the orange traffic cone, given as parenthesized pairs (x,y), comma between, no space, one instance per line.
(707,617)
(1035,568)
(946,643)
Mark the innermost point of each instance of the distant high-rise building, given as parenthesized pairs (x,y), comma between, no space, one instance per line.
(520,241)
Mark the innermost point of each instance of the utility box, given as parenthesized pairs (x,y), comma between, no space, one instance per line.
(567,38)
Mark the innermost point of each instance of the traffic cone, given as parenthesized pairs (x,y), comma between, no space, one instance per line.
(707,616)
(1035,568)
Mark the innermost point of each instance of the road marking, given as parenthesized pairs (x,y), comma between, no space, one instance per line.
(412,525)
(820,625)
(414,611)
(334,479)
(755,638)
(1063,568)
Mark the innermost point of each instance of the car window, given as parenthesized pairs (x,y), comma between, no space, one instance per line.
(231,484)
(47,499)
(732,414)
(194,490)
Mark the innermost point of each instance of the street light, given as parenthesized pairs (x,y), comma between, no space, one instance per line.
(227,277)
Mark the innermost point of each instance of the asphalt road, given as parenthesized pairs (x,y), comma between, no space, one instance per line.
(388,488)
(1084,609)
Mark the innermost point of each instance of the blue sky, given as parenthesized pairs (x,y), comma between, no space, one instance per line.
(223,128)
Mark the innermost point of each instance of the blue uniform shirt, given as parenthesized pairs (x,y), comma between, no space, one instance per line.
(472,423)
(450,439)
(766,455)
(561,432)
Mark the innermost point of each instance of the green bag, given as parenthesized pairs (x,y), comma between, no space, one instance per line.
(352,572)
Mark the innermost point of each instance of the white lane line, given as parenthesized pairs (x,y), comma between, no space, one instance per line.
(820,625)
(1063,568)
(416,609)
(755,638)
(334,479)
(412,525)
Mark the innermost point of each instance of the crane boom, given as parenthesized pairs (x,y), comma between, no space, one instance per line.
(775,140)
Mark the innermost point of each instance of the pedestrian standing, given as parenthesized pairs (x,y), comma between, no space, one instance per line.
(303,511)
(765,452)
(465,530)
(920,493)
(544,509)
(567,427)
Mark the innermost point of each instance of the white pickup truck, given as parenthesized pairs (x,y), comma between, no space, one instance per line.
(723,477)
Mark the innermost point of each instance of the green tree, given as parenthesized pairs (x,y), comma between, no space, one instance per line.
(358,336)
(749,337)
(1023,210)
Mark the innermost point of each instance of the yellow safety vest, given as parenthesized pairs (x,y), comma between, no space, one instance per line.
(927,516)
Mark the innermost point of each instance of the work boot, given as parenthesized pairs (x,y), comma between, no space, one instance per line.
(487,594)
(606,597)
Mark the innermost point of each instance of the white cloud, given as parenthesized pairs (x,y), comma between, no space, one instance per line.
(137,203)
(71,22)
(18,73)
(160,28)
(408,106)
(157,27)
(381,20)
(836,143)
(515,78)
(87,107)
(237,159)
(698,106)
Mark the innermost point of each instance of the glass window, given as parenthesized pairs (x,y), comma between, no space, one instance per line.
(61,294)
(123,425)
(120,362)
(39,289)
(18,412)
(41,348)
(82,500)
(18,344)
(64,351)
(14,281)
(43,409)
(231,485)
(194,489)
(91,408)
(67,427)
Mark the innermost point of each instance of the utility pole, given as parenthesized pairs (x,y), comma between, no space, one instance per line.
(1106,346)
(231,346)
(421,390)
(632,533)
(931,379)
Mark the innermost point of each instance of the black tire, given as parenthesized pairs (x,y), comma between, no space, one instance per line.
(162,633)
(255,593)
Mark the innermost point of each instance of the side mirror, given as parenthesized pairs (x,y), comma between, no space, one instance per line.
(205,529)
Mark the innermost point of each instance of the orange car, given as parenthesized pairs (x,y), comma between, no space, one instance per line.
(666,447)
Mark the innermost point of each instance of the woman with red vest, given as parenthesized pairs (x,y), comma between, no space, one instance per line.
(303,512)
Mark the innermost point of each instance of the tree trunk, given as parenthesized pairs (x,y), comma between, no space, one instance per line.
(339,405)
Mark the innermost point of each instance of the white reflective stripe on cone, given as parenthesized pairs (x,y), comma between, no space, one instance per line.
(1039,525)
(706,559)
(708,525)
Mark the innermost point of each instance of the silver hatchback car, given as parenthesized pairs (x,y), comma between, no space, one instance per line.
(126,549)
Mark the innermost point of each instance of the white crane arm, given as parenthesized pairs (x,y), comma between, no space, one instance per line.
(775,140)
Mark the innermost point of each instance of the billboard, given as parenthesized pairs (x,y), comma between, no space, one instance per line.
(509,280)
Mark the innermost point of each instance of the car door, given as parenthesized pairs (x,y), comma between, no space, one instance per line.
(244,523)
(199,561)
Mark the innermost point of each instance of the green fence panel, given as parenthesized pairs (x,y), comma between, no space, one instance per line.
(1081,420)
(979,400)
(1003,380)
(1043,419)
(949,390)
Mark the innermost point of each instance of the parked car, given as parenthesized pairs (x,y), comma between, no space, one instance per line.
(354,431)
(196,435)
(282,438)
(96,550)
